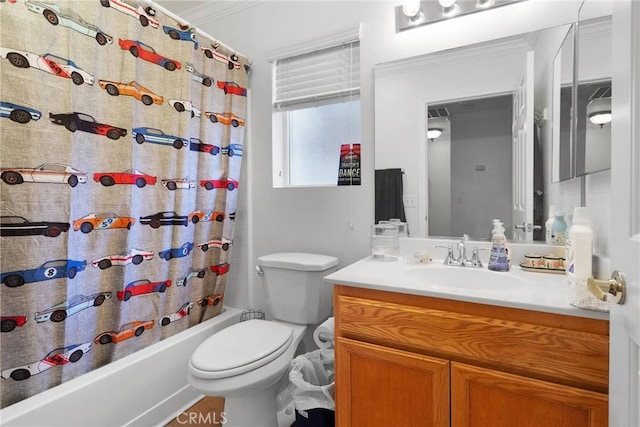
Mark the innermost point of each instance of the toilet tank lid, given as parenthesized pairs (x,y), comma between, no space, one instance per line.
(298,261)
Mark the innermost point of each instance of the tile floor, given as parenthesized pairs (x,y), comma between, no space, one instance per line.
(204,413)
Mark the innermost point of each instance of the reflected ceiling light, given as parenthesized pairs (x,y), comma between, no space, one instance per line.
(433,133)
(599,111)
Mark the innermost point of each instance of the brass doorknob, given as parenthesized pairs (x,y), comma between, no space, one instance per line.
(615,286)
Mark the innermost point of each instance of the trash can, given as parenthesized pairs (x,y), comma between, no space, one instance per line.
(312,383)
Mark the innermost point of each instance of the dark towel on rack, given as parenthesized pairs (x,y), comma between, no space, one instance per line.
(388,196)
(538,185)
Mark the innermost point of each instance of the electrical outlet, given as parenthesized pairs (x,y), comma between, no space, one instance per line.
(410,201)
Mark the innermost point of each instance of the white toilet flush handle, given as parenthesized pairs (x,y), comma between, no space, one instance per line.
(259,270)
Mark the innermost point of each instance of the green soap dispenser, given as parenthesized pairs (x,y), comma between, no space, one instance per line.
(558,229)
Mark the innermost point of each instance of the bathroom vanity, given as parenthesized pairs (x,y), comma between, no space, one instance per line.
(435,345)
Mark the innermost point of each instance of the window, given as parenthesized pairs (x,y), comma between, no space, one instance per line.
(316,110)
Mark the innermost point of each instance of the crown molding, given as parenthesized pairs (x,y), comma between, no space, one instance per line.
(206,11)
(185,15)
(346,36)
(456,56)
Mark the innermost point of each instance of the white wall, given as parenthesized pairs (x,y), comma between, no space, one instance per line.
(334,220)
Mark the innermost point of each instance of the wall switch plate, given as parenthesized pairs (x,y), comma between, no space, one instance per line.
(410,201)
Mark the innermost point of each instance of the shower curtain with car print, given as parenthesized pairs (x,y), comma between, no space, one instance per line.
(121,134)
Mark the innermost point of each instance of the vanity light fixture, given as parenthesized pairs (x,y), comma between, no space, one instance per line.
(599,111)
(433,133)
(415,13)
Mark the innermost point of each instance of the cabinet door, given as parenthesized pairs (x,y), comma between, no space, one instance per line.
(483,397)
(380,386)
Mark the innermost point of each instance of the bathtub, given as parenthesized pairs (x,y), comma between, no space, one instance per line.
(146,388)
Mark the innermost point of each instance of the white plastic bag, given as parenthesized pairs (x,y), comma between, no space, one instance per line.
(312,380)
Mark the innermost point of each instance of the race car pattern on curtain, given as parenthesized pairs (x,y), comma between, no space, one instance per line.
(122,136)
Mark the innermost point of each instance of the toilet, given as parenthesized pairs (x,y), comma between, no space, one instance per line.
(245,362)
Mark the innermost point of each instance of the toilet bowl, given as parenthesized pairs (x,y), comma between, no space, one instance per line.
(246,362)
(257,355)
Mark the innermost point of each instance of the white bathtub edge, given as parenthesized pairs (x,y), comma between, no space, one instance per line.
(107,396)
(164,412)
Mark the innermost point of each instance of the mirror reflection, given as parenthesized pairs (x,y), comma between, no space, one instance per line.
(593,114)
(534,74)
(469,166)
(593,149)
(563,132)
(448,175)
(584,146)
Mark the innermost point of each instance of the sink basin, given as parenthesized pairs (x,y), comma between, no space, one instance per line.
(463,278)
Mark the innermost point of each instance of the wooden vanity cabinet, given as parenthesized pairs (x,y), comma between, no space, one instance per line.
(382,386)
(405,360)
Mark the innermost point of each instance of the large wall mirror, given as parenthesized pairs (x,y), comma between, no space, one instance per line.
(563,133)
(477,168)
(464,126)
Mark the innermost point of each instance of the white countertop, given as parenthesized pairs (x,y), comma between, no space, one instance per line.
(530,290)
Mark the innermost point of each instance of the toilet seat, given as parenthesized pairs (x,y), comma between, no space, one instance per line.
(241,348)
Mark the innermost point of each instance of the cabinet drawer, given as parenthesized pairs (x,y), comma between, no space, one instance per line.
(543,350)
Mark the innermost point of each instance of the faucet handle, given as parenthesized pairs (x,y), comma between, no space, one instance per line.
(465,237)
(475,257)
(450,258)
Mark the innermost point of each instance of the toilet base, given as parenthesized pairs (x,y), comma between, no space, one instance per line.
(257,408)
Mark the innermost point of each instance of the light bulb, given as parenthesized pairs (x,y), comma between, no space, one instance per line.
(484,4)
(446,3)
(448,12)
(411,8)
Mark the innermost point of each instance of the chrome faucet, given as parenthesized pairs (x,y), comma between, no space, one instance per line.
(462,259)
(462,248)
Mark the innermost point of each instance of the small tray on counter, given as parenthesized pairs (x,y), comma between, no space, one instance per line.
(542,269)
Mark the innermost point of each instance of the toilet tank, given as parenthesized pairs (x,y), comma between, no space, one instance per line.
(294,288)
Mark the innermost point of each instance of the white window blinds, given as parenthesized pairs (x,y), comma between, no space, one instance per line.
(317,77)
